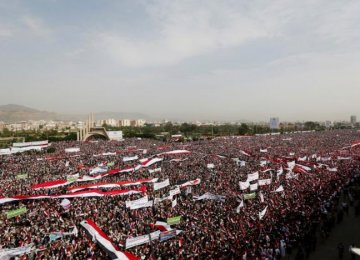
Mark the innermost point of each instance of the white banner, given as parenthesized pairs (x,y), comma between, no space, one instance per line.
(264,182)
(160,185)
(140,240)
(155,170)
(6,253)
(142,205)
(72,150)
(136,241)
(175,191)
(36,143)
(244,185)
(142,200)
(254,187)
(127,159)
(210,166)
(210,196)
(253,176)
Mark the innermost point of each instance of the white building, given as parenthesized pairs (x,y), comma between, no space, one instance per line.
(138,122)
(125,122)
(111,122)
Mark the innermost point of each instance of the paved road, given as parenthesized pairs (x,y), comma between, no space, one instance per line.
(347,232)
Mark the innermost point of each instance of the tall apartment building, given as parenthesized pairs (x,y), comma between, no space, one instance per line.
(125,122)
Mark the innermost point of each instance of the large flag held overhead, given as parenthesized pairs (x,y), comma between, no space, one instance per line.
(150,162)
(175,152)
(112,184)
(105,242)
(51,184)
(81,194)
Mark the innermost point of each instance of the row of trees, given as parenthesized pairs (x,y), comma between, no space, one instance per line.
(195,131)
(33,135)
(190,131)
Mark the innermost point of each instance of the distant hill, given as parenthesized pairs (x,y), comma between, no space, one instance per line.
(14,113)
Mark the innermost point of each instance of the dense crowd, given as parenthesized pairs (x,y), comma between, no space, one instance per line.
(312,168)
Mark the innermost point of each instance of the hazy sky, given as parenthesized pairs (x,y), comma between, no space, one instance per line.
(241,59)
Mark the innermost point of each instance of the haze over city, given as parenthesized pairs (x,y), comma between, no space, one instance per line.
(187,60)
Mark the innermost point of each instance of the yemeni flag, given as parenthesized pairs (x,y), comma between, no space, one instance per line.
(175,152)
(149,162)
(79,194)
(112,184)
(184,183)
(51,184)
(161,225)
(355,144)
(301,169)
(105,242)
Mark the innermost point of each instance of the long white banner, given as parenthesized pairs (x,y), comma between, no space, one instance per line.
(142,200)
(140,240)
(142,205)
(160,185)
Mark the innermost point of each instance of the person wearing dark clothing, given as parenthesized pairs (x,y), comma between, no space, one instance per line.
(341,249)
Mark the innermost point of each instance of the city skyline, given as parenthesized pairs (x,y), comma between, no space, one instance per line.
(183,60)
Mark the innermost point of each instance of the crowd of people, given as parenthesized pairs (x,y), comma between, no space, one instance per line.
(300,175)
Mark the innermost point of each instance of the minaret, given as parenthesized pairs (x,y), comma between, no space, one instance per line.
(88,123)
(80,134)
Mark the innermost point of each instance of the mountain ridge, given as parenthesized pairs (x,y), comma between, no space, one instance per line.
(12,113)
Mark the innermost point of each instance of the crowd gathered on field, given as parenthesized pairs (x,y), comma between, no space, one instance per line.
(239,197)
